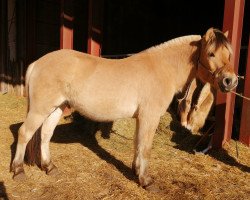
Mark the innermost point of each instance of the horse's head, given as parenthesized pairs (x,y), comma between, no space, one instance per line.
(214,61)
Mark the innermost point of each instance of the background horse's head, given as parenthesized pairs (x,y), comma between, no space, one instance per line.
(214,61)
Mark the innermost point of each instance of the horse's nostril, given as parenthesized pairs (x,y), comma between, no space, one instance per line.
(227,81)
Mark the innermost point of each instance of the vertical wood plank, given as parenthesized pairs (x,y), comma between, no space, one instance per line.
(233,21)
(66,30)
(245,114)
(95,27)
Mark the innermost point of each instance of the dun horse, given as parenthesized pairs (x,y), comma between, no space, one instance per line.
(141,86)
(196,104)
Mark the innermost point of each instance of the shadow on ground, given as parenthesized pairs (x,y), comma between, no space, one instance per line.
(186,141)
(84,131)
(3,194)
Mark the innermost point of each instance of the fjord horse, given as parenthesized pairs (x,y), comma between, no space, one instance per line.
(141,86)
(196,104)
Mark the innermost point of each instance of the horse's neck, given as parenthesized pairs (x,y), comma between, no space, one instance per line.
(182,60)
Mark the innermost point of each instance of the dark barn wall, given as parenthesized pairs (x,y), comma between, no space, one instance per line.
(80,25)
(47,26)
(3,43)
(133,25)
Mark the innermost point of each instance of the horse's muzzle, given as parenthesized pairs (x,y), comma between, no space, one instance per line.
(228,83)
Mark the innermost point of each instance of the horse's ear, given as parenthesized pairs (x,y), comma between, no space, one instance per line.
(209,34)
(226,34)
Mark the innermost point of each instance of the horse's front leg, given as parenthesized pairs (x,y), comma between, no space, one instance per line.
(184,106)
(146,127)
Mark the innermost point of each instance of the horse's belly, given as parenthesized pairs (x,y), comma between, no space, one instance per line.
(105,109)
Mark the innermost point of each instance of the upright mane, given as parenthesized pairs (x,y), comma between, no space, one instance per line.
(174,42)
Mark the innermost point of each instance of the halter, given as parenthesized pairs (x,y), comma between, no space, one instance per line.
(211,75)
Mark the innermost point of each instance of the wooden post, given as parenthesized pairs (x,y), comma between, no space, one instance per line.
(66,30)
(95,27)
(233,21)
(3,44)
(245,114)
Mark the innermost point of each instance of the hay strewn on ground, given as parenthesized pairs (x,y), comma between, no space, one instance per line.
(95,162)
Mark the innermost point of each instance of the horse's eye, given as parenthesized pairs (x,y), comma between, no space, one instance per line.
(211,54)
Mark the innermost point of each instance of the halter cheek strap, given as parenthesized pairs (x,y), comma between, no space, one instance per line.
(209,74)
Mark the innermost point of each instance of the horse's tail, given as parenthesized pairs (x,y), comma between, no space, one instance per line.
(27,79)
(32,155)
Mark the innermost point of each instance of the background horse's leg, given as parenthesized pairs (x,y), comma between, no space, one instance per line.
(199,113)
(47,130)
(146,127)
(185,103)
(25,133)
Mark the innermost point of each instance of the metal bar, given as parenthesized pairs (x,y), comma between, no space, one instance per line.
(245,114)
(233,21)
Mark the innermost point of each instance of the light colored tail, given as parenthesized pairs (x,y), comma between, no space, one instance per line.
(32,155)
(27,79)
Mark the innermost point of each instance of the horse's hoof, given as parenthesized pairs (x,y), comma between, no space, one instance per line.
(152,188)
(184,124)
(53,171)
(20,176)
(189,127)
(50,169)
(146,181)
(156,188)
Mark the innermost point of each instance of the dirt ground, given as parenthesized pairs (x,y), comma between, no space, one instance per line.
(94,161)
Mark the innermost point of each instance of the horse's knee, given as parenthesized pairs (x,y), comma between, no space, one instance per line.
(22,136)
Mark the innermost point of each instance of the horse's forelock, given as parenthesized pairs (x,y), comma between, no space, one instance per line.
(217,41)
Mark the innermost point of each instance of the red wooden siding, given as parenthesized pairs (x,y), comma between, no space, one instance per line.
(233,20)
(95,27)
(66,30)
(245,115)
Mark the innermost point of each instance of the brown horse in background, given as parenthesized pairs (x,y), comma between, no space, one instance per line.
(194,107)
(141,86)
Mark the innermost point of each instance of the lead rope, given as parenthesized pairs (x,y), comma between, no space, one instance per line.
(207,132)
(240,95)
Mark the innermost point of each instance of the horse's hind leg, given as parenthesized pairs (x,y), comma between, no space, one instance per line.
(48,128)
(25,133)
